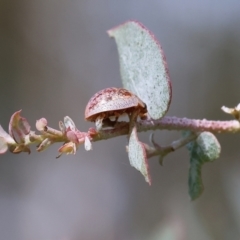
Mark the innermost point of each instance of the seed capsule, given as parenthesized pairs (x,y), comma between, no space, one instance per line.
(112,102)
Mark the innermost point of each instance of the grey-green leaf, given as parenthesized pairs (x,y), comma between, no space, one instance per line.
(195,185)
(209,145)
(138,156)
(143,66)
(205,148)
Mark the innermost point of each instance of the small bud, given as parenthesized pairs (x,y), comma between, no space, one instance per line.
(41,124)
(233,111)
(92,132)
(18,127)
(81,136)
(68,122)
(68,148)
(21,148)
(44,145)
(71,135)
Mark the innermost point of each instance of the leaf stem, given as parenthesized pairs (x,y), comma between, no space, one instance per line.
(162,151)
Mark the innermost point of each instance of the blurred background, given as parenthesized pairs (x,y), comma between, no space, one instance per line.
(54,55)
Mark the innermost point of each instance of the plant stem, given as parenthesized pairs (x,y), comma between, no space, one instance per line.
(172,123)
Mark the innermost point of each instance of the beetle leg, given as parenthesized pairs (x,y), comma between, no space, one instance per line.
(99,123)
(147,117)
(129,116)
(116,119)
(144,116)
(113,118)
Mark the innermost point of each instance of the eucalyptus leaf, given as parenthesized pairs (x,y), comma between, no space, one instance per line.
(209,145)
(205,148)
(143,66)
(195,184)
(138,156)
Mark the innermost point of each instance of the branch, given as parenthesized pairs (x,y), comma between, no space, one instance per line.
(160,151)
(171,123)
(20,136)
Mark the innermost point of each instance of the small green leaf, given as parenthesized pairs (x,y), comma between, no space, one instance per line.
(205,148)
(138,156)
(195,185)
(143,66)
(209,145)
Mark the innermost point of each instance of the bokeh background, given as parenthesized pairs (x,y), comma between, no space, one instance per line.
(54,55)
